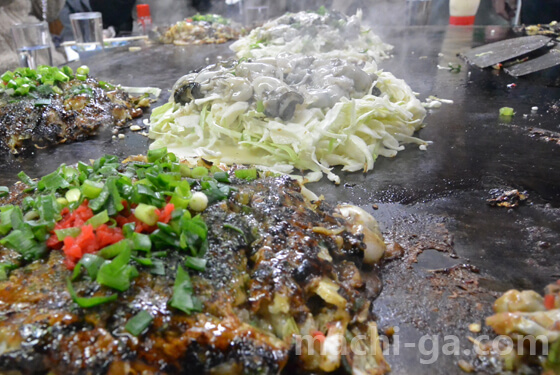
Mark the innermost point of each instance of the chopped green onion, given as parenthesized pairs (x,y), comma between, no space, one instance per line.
(112,223)
(26,179)
(10,217)
(70,173)
(185,170)
(106,86)
(83,70)
(454,68)
(92,189)
(138,323)
(62,201)
(117,273)
(12,84)
(197,264)
(28,203)
(183,298)
(168,229)
(128,229)
(31,215)
(157,154)
(141,242)
(143,261)
(42,101)
(7,76)
(260,106)
(222,177)
(60,76)
(199,172)
(40,229)
(506,111)
(214,169)
(23,241)
(165,236)
(233,227)
(158,268)
(164,181)
(143,194)
(246,174)
(91,263)
(145,186)
(22,90)
(61,234)
(5,269)
(47,207)
(4,190)
(16,217)
(105,160)
(181,195)
(52,182)
(88,302)
(46,90)
(109,198)
(146,214)
(171,157)
(193,234)
(83,167)
(73,195)
(214,191)
(198,202)
(99,219)
(107,170)
(68,71)
(115,249)
(6,220)
(179,201)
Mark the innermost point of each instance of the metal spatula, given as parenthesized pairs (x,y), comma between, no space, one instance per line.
(494,53)
(548,60)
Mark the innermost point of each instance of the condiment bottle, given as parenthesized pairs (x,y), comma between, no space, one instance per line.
(144,18)
(462,12)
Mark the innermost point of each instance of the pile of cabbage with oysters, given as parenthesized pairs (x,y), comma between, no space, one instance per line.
(331,34)
(291,110)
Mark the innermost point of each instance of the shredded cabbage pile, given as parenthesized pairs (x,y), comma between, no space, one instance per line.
(352,134)
(226,114)
(332,35)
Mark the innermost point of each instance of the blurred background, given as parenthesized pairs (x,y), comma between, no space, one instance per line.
(120,18)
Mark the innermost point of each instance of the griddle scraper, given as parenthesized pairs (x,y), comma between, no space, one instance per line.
(494,53)
(548,60)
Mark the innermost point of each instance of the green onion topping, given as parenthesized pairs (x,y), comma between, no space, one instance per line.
(141,213)
(138,323)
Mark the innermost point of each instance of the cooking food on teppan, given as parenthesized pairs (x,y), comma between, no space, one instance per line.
(219,248)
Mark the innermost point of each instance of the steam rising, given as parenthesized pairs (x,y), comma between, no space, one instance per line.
(376,12)
(168,12)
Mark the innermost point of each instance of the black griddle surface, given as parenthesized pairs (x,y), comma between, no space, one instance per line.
(462,252)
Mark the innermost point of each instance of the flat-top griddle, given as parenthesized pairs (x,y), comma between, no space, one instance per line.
(459,252)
